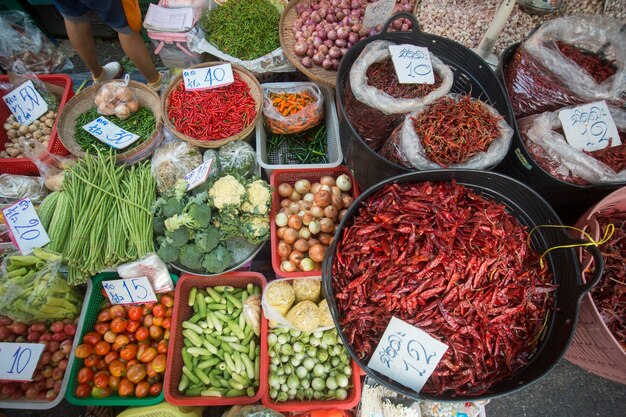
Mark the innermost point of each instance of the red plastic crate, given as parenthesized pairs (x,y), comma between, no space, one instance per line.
(354,396)
(182,312)
(23,166)
(290,176)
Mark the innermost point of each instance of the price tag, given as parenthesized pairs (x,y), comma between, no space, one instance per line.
(210,77)
(24,226)
(412,64)
(378,13)
(108,132)
(19,360)
(198,175)
(590,127)
(26,103)
(407,354)
(129,291)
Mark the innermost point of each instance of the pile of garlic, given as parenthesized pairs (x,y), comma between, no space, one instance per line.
(17,133)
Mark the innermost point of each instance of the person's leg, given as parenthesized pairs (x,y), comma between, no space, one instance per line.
(82,41)
(136,50)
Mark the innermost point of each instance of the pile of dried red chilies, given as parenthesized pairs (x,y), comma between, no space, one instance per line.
(610,294)
(443,258)
(593,64)
(452,131)
(613,156)
(382,75)
(212,114)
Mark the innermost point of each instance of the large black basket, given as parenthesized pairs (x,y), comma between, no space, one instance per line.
(472,75)
(531,210)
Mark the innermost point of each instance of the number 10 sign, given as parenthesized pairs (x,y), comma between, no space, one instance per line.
(19,360)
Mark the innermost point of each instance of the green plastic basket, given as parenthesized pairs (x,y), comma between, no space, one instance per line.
(93,300)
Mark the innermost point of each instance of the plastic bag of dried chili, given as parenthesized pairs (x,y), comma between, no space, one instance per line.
(566,61)
(543,137)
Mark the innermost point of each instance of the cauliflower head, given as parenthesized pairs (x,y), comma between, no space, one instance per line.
(258,198)
(227,192)
(256,229)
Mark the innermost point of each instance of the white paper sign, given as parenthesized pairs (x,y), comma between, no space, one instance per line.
(210,77)
(19,360)
(129,291)
(590,127)
(412,64)
(24,226)
(378,13)
(26,103)
(109,133)
(407,354)
(198,175)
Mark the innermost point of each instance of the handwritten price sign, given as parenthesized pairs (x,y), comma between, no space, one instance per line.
(590,127)
(210,77)
(129,291)
(24,226)
(26,103)
(412,64)
(198,175)
(108,132)
(407,354)
(377,13)
(19,360)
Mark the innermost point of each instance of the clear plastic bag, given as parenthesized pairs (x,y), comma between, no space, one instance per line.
(277,117)
(116,98)
(378,51)
(411,148)
(151,267)
(251,411)
(555,155)
(51,167)
(22,41)
(252,312)
(16,187)
(542,76)
(172,160)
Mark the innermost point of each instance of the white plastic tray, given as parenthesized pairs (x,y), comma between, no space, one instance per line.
(333,145)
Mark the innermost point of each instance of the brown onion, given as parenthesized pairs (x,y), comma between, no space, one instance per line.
(347,200)
(330,212)
(290,236)
(325,239)
(301,245)
(285,190)
(317,252)
(322,198)
(280,233)
(295,222)
(327,225)
(295,257)
(283,250)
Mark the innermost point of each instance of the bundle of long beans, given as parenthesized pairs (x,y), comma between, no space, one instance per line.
(106,216)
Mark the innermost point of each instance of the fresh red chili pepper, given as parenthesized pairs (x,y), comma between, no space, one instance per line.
(455,264)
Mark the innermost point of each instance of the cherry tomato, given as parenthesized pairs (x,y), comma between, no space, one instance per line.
(114,383)
(104,316)
(92,338)
(126,388)
(84,375)
(117,368)
(162,348)
(148,355)
(135,313)
(158,363)
(120,341)
(155,389)
(91,360)
(158,310)
(111,356)
(128,352)
(102,348)
(83,350)
(142,389)
(97,392)
(132,326)
(157,321)
(82,390)
(101,379)
(142,333)
(101,328)
(118,325)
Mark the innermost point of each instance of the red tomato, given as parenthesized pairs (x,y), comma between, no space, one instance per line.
(100,392)
(85,375)
(111,356)
(136,373)
(101,328)
(114,383)
(82,391)
(135,313)
(158,310)
(155,389)
(91,360)
(126,388)
(102,348)
(118,325)
(142,389)
(167,323)
(92,338)
(147,320)
(104,316)
(156,333)
(148,355)
(132,326)
(169,312)
(101,379)
(131,363)
(102,365)
(117,368)
(109,336)
(167,300)
(83,350)
(157,321)
(142,333)
(120,341)
(158,363)
(162,348)
(128,352)
(117,311)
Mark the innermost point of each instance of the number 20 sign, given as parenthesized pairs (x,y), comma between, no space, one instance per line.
(19,360)
(25,227)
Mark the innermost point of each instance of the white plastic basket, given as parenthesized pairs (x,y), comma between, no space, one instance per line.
(46,405)
(333,146)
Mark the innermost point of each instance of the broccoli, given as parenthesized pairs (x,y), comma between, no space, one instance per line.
(178,237)
(218,260)
(258,198)
(168,253)
(190,257)
(208,239)
(171,207)
(198,216)
(179,190)
(255,229)
(228,224)
(158,226)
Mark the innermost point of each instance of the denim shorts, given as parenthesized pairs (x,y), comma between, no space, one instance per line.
(110,12)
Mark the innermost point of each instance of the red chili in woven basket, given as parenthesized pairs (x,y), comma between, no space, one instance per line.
(453,263)
(212,114)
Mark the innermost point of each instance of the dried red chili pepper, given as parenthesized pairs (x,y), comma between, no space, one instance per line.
(593,64)
(455,264)
(382,75)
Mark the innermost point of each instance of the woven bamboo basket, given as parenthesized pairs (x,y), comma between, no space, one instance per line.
(85,100)
(255,91)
